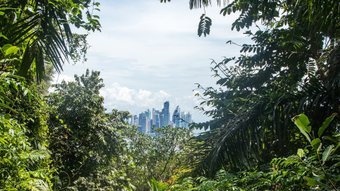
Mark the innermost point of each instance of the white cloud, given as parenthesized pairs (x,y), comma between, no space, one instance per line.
(135,100)
(62,77)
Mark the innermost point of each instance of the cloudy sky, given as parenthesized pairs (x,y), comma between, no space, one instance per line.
(149,52)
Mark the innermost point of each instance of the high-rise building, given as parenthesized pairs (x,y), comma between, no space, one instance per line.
(156,121)
(176,117)
(144,122)
(134,120)
(165,115)
(186,119)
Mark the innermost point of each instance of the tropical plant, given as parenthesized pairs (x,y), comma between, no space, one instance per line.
(315,167)
(24,156)
(292,66)
(39,32)
(21,166)
(85,142)
(161,157)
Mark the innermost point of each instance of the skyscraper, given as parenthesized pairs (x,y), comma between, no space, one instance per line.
(165,115)
(176,117)
(186,119)
(134,120)
(141,122)
(144,122)
(156,120)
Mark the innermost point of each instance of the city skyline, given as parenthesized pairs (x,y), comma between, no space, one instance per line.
(148,121)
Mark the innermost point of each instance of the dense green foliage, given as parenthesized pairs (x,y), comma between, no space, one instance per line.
(159,157)
(66,140)
(315,167)
(24,156)
(292,67)
(35,33)
(84,140)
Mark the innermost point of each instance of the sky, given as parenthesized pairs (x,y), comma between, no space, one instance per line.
(149,52)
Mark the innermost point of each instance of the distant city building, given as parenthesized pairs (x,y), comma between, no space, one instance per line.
(181,119)
(186,119)
(144,125)
(165,115)
(176,117)
(148,121)
(156,119)
(134,120)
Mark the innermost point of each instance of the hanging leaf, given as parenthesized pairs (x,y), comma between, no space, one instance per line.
(325,124)
(326,153)
(2,35)
(302,122)
(204,25)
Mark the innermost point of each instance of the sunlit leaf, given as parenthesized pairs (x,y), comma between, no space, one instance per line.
(301,153)
(302,122)
(327,153)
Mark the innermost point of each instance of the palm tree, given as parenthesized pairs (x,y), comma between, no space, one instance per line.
(42,30)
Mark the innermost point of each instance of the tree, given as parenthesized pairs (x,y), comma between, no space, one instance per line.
(85,143)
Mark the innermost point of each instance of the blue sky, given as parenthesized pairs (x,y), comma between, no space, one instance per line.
(149,52)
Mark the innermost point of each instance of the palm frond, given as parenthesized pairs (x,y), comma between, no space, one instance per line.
(44,26)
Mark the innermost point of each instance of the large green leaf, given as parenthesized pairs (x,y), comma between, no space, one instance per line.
(12,50)
(302,122)
(325,124)
(327,153)
(311,181)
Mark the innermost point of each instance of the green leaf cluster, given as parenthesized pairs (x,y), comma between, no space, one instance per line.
(37,33)
(306,170)
(24,157)
(291,67)
(165,156)
(86,143)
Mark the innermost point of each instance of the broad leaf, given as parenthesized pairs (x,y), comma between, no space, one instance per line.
(325,124)
(12,50)
(302,122)
(326,153)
